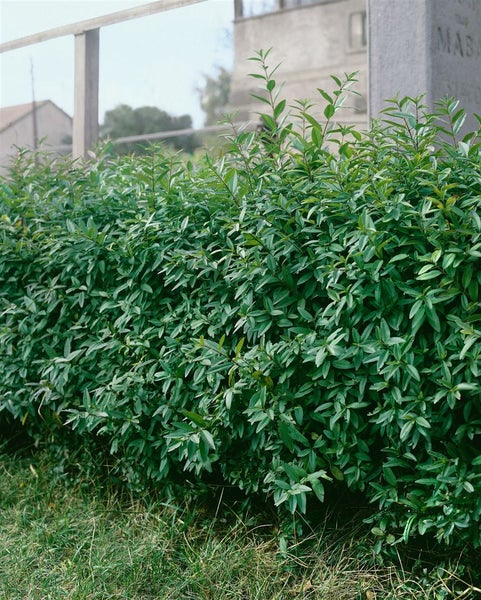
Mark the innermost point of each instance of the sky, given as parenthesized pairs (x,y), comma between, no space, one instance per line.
(157,60)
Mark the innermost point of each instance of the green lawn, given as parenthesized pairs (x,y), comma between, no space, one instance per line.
(82,541)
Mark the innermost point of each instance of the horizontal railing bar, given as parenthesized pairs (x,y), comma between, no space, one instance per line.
(63,148)
(176,132)
(161,135)
(95,23)
(245,126)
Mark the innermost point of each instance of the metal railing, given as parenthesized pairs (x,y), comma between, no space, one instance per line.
(86,76)
(161,135)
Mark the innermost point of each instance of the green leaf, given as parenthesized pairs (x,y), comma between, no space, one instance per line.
(312,121)
(207,437)
(270,85)
(269,122)
(389,476)
(406,430)
(418,319)
(326,96)
(285,435)
(429,274)
(279,109)
(423,422)
(329,111)
(239,347)
(413,372)
(261,99)
(194,417)
(318,490)
(294,472)
(288,430)
(337,473)
(378,532)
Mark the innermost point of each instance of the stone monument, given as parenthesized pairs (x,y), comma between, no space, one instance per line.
(425,46)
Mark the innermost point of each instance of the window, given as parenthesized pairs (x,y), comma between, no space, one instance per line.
(293,3)
(357,30)
(252,8)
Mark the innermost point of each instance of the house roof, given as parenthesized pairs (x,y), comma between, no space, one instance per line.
(11,114)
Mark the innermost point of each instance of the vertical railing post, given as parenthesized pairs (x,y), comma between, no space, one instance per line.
(86,90)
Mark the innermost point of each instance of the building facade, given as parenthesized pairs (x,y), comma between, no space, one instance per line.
(310,40)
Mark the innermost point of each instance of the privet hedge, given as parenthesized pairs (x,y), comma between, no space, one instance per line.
(302,313)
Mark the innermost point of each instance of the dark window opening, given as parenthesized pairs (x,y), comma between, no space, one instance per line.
(253,8)
(358,30)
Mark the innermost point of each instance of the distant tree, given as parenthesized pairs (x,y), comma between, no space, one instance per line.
(124,121)
(214,95)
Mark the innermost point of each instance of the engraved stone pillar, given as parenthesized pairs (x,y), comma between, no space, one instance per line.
(425,46)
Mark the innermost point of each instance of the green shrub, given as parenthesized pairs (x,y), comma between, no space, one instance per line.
(300,314)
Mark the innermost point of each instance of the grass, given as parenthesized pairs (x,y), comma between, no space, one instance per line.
(82,541)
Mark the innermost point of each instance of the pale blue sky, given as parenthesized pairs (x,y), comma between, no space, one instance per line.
(157,60)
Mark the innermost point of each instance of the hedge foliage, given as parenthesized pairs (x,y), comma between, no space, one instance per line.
(302,313)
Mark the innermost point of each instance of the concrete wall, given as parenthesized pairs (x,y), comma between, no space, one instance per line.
(52,124)
(311,42)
